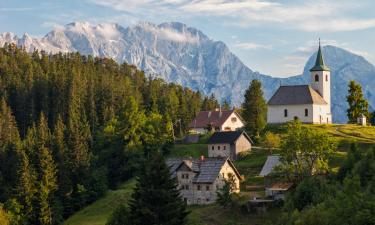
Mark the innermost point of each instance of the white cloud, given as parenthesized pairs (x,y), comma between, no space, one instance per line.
(169,34)
(251,45)
(311,16)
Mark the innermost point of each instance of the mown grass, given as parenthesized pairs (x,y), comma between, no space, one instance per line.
(98,212)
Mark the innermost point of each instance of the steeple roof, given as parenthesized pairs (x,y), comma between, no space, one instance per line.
(319,63)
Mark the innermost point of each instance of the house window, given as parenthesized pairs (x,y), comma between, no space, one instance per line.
(223,175)
(285,113)
(224,147)
(326,77)
(306,112)
(234,119)
(186,187)
(198,187)
(316,78)
(185,200)
(207,188)
(183,176)
(218,147)
(207,199)
(213,147)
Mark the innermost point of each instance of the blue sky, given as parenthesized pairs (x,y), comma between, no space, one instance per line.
(272,37)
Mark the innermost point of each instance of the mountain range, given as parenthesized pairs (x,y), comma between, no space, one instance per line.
(184,55)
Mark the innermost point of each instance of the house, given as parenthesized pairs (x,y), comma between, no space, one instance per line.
(218,120)
(199,179)
(278,191)
(308,103)
(228,144)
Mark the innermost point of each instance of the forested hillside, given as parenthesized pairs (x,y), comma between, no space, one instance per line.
(72,126)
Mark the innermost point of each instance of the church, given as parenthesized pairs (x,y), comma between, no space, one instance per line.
(308,103)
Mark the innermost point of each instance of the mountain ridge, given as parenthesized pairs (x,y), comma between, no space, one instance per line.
(185,55)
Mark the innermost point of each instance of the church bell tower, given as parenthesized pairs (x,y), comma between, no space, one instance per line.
(321,77)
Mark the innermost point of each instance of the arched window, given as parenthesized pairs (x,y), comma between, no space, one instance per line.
(285,113)
(306,112)
(316,78)
(326,77)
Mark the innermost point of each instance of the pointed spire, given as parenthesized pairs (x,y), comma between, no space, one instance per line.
(319,63)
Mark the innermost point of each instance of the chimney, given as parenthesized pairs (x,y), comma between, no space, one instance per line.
(220,113)
(209,114)
(202,157)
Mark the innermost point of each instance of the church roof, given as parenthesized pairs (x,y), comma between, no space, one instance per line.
(319,63)
(296,95)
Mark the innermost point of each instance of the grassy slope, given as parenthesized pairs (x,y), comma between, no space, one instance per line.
(99,211)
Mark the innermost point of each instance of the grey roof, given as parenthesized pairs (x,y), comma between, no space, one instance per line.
(227,137)
(271,162)
(296,95)
(207,170)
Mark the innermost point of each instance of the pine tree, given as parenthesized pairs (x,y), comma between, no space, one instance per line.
(156,199)
(46,173)
(25,189)
(357,103)
(254,109)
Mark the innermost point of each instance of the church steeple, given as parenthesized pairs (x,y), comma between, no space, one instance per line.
(319,63)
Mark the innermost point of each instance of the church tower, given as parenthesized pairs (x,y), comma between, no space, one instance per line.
(321,78)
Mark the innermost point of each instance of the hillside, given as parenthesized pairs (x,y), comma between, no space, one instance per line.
(185,55)
(249,167)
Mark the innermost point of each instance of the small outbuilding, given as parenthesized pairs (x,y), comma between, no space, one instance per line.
(228,144)
(362,120)
(278,191)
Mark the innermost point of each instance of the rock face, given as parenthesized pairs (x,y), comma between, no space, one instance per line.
(184,55)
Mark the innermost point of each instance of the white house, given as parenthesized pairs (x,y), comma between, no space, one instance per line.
(200,179)
(218,120)
(308,103)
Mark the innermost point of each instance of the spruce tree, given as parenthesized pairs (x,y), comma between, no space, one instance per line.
(254,109)
(156,200)
(25,189)
(357,103)
(46,173)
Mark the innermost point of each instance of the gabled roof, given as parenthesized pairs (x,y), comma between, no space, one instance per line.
(319,63)
(296,95)
(227,137)
(271,162)
(208,169)
(215,118)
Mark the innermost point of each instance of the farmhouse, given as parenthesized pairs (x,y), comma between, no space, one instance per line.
(228,144)
(308,103)
(218,120)
(199,179)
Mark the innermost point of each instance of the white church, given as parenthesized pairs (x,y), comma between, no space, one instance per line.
(308,103)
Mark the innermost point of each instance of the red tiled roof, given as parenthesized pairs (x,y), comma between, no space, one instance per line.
(215,118)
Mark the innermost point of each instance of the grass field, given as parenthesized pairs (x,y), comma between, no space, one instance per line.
(98,212)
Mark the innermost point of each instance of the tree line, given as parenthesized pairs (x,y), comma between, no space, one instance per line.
(72,126)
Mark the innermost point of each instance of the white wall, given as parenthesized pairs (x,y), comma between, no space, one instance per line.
(323,86)
(215,152)
(318,114)
(233,125)
(322,114)
(275,113)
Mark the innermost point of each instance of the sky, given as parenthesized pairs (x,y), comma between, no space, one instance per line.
(269,36)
